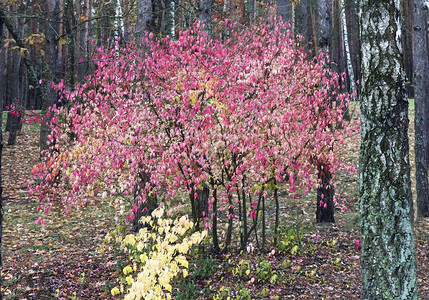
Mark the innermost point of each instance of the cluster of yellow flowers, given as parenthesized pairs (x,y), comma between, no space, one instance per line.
(157,252)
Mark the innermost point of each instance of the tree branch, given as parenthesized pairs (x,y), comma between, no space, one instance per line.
(20,43)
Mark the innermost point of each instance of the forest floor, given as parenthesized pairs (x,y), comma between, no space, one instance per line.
(61,260)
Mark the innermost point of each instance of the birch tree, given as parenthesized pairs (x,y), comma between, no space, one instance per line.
(421,100)
(388,264)
(347,47)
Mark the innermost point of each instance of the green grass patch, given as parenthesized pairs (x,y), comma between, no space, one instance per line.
(33,127)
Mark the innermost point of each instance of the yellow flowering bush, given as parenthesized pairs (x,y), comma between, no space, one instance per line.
(156,253)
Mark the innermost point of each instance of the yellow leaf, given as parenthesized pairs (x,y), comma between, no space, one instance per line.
(115,291)
(62,41)
(130,279)
(127,270)
(23,52)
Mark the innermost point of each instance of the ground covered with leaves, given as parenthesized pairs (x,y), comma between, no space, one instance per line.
(61,260)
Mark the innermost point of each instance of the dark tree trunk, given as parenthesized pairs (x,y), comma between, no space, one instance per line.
(302,22)
(82,39)
(16,92)
(68,19)
(388,264)
(284,10)
(312,22)
(1,193)
(421,100)
(15,127)
(52,64)
(168,21)
(2,97)
(142,209)
(144,18)
(325,192)
(352,19)
(352,49)
(126,19)
(162,14)
(107,22)
(338,58)
(214,224)
(205,15)
(34,78)
(202,201)
(89,36)
(407,36)
(3,76)
(325,195)
(324,23)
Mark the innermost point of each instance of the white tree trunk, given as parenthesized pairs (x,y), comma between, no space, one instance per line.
(347,48)
(388,263)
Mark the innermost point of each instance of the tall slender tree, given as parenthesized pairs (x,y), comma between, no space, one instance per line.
(325,191)
(421,100)
(205,15)
(284,10)
(2,97)
(388,264)
(324,23)
(15,89)
(52,62)
(302,20)
(69,24)
(144,17)
(407,38)
(2,60)
(350,70)
(82,38)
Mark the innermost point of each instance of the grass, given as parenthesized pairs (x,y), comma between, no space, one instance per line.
(33,127)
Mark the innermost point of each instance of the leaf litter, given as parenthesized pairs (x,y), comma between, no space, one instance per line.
(60,260)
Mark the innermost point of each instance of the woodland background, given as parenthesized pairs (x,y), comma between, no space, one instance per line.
(46,41)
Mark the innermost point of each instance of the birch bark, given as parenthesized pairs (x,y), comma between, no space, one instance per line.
(388,264)
(347,48)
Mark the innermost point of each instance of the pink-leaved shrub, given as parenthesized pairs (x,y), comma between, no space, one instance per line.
(241,115)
